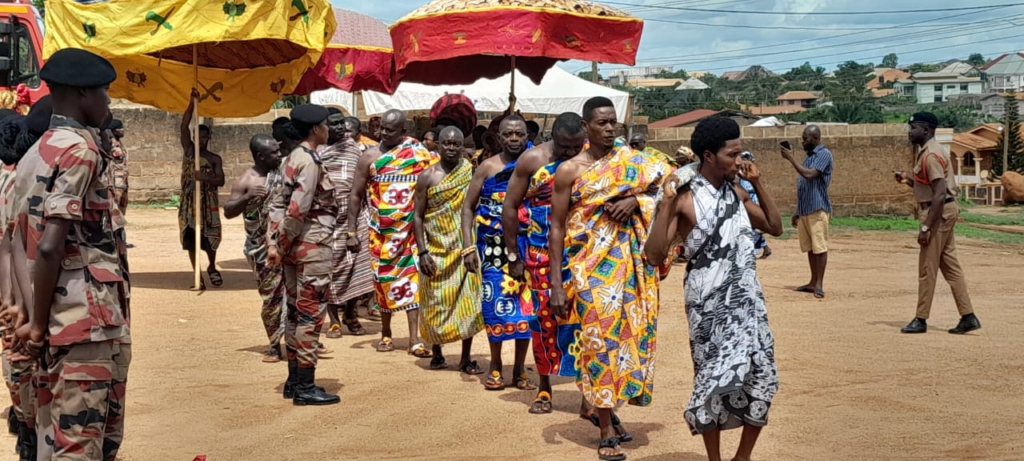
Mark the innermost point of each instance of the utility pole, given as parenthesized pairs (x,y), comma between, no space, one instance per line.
(1006,143)
(593,72)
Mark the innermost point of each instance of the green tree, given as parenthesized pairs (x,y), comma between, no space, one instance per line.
(918,67)
(677,74)
(1015,154)
(588,76)
(40,5)
(890,60)
(850,82)
(976,60)
(840,112)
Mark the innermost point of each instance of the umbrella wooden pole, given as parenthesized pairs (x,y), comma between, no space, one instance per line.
(197,212)
(512,91)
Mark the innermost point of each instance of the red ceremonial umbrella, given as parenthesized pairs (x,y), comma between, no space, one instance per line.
(358,58)
(455,42)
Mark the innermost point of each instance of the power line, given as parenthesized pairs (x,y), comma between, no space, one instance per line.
(844,53)
(899,26)
(813,13)
(873,40)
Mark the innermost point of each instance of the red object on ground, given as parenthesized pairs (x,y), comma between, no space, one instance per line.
(455,42)
(199,458)
(358,58)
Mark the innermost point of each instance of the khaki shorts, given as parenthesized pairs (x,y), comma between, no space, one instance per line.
(813,232)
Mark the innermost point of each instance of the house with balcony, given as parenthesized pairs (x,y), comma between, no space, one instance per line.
(932,87)
(1005,73)
(804,99)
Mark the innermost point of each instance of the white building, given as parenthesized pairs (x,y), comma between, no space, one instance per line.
(932,87)
(1005,73)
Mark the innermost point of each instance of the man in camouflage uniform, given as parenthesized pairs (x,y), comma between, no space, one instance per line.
(299,237)
(119,166)
(74,242)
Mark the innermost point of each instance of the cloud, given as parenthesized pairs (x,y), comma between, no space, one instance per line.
(824,40)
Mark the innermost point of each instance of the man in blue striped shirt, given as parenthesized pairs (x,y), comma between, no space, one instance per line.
(813,209)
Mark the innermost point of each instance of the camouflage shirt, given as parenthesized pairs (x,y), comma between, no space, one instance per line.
(64,175)
(302,210)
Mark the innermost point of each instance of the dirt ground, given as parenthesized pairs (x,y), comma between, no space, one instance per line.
(852,387)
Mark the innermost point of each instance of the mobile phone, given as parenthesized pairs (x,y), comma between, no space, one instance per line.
(785,145)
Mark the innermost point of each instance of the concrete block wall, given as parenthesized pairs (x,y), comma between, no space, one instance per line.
(864,155)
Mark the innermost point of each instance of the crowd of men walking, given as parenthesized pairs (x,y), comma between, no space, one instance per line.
(559,245)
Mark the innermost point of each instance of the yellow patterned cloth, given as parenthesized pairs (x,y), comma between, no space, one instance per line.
(249,53)
(612,288)
(450,300)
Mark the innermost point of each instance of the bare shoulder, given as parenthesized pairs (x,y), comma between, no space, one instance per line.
(533,159)
(430,177)
(489,167)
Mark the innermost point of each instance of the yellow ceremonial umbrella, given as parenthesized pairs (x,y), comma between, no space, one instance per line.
(241,55)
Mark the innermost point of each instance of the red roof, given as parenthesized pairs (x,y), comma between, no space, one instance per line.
(996,61)
(684,119)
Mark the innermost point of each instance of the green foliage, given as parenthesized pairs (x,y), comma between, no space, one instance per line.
(911,226)
(1015,153)
(807,77)
(589,76)
(891,60)
(958,117)
(40,5)
(840,112)
(918,67)
(849,84)
(976,60)
(677,74)
(289,102)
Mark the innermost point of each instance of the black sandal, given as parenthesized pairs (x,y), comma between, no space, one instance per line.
(215,277)
(624,436)
(470,368)
(438,363)
(613,443)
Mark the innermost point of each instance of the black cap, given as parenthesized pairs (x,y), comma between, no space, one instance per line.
(38,118)
(309,114)
(78,68)
(116,124)
(333,110)
(926,118)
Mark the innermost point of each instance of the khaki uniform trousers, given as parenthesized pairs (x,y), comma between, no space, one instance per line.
(940,255)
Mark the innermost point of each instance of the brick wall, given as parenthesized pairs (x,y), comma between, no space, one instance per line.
(155,155)
(864,155)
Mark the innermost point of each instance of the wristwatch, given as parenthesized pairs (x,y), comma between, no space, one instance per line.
(925,228)
(512,256)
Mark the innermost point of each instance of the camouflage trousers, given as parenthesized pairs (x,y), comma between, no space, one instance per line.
(81,399)
(306,285)
(19,380)
(121,199)
(270,284)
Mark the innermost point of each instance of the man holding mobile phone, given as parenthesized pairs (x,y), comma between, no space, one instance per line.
(814,208)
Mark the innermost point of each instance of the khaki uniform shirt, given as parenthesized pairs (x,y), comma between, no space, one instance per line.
(932,163)
(64,176)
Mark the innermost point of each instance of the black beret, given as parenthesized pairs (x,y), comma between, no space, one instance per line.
(333,110)
(926,118)
(38,118)
(77,68)
(116,125)
(310,114)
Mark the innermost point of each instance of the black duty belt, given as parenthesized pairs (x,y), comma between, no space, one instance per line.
(929,204)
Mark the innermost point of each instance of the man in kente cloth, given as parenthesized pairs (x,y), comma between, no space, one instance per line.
(601,209)
(386,178)
(507,303)
(350,275)
(211,174)
(249,198)
(298,238)
(733,349)
(531,185)
(449,294)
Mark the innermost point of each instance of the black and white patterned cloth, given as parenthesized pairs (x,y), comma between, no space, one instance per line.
(732,346)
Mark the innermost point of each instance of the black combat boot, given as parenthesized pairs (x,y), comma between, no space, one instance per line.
(307,393)
(293,376)
(27,450)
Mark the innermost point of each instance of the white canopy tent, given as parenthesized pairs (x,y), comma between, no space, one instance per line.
(558,92)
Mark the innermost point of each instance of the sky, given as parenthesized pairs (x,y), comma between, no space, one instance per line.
(734,41)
